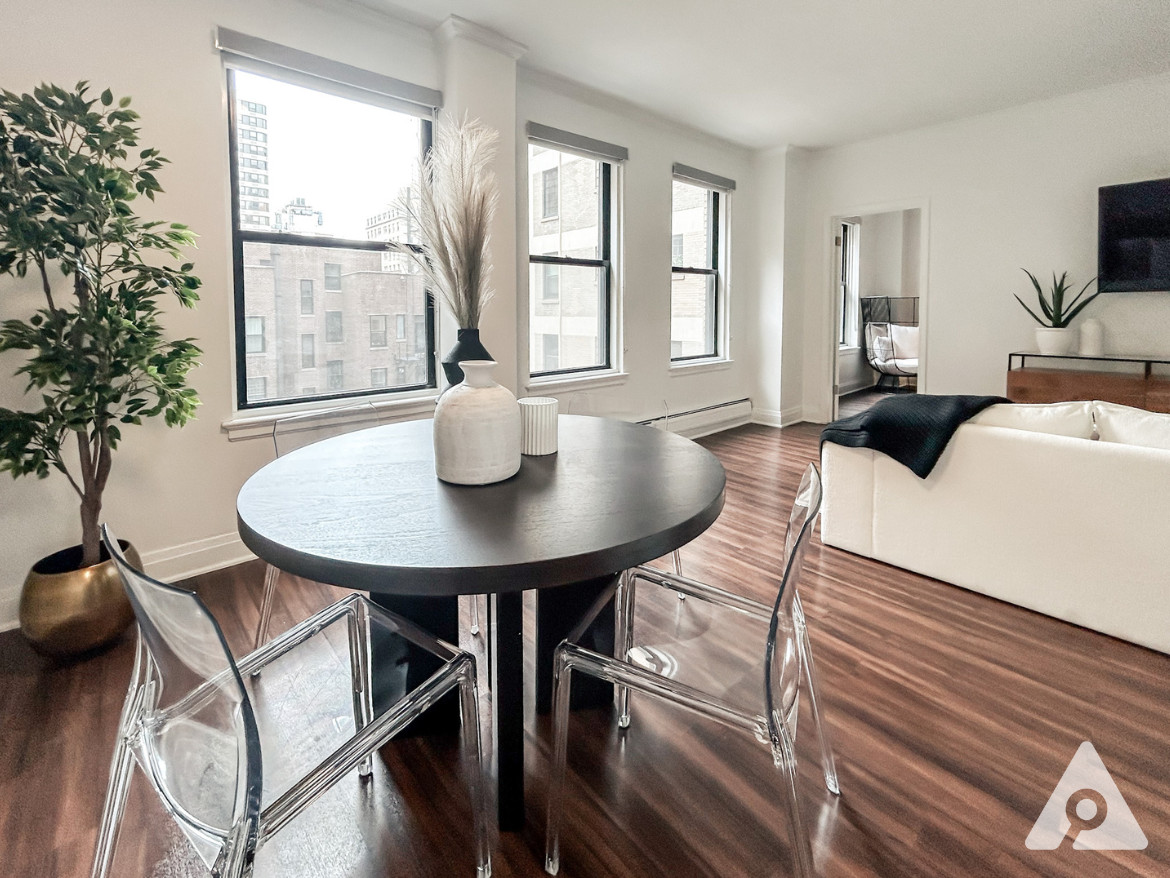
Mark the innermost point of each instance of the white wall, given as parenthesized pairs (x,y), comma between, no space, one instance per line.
(172,492)
(880,256)
(1000,191)
(654,145)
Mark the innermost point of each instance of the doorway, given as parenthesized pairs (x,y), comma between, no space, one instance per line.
(878,271)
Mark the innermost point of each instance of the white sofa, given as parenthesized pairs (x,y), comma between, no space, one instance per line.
(1026,507)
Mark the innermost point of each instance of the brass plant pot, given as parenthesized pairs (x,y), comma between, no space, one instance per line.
(66,611)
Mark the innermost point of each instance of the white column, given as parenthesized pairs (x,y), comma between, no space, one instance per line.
(479,79)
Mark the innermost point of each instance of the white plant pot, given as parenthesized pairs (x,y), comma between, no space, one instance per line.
(1055,341)
(477,429)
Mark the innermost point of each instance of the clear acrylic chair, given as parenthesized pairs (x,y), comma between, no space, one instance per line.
(787,664)
(289,434)
(189,722)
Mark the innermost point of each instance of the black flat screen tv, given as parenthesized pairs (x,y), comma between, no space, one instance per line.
(1133,237)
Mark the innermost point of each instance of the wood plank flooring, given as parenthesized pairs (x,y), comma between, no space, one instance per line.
(953,716)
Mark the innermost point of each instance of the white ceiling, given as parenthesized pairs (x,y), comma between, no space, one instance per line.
(815,73)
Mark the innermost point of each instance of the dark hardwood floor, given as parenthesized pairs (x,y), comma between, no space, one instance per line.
(953,716)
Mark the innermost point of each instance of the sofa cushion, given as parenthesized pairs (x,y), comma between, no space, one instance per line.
(1055,418)
(1130,426)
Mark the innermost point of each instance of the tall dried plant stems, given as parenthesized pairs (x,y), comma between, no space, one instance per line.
(457,198)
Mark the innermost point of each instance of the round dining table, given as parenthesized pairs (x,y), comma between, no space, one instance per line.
(364,510)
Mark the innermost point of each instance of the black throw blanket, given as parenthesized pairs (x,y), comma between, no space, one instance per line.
(913,429)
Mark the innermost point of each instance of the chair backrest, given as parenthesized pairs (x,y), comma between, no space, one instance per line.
(197,740)
(782,656)
(297,431)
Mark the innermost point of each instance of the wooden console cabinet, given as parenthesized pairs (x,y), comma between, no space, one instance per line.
(1050,383)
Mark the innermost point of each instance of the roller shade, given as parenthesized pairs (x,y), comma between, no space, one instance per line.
(577,143)
(324,74)
(702,178)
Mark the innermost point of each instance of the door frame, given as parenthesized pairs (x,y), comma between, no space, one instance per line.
(831,311)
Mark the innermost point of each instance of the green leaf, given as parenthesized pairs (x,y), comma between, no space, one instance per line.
(107,98)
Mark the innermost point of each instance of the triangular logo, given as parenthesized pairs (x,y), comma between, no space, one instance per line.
(1088,807)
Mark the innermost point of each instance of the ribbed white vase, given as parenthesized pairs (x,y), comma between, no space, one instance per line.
(477,429)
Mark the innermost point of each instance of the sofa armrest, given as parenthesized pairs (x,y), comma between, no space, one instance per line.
(847,513)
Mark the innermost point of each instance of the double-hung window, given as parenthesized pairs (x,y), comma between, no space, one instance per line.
(572,185)
(698,288)
(320,151)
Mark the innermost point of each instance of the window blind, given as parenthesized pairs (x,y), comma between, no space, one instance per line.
(577,143)
(324,74)
(693,175)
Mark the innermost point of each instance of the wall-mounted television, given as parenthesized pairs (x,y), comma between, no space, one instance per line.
(1133,237)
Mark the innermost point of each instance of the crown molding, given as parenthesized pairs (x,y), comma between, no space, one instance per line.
(457,27)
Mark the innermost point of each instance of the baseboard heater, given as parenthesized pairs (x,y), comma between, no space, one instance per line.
(706,420)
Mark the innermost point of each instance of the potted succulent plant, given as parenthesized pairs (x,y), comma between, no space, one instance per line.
(97,361)
(1054,335)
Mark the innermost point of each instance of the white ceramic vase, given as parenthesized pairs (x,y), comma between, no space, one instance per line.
(1050,340)
(477,429)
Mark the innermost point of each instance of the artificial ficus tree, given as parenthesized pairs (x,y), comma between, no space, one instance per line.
(70,170)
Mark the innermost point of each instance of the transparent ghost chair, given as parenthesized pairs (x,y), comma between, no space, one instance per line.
(787,664)
(190,722)
(297,431)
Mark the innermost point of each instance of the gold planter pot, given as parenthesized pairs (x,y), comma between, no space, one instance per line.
(66,611)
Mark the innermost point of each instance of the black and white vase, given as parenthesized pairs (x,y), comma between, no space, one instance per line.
(467,347)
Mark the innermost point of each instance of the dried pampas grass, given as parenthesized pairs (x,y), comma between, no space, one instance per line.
(457,198)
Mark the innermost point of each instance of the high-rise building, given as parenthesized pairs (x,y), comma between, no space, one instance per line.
(252,155)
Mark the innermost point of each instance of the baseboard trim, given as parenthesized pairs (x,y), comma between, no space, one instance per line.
(783,418)
(199,556)
(705,421)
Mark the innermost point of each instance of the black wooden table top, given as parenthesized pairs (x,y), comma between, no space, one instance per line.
(365,510)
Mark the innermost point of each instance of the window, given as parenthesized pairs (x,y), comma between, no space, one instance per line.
(378,331)
(379,378)
(848,288)
(550,288)
(254,335)
(335,375)
(420,332)
(400,327)
(550,352)
(698,230)
(333,277)
(549,200)
(257,388)
(333,332)
(570,268)
(306,232)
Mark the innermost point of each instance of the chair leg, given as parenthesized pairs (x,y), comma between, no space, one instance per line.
(828,764)
(474,615)
(562,686)
(359,662)
(270,577)
(115,805)
(784,755)
(624,641)
(480,806)
(677,559)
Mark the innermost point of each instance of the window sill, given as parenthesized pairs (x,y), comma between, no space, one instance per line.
(248,425)
(590,380)
(847,348)
(697,367)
